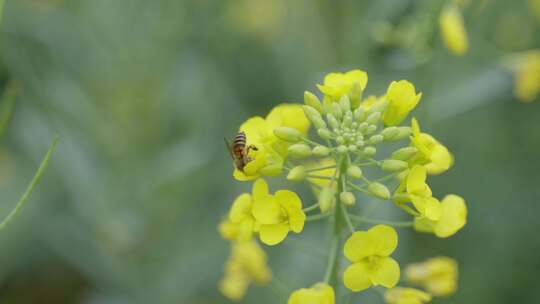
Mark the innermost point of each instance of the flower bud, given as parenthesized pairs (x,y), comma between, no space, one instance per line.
(336,110)
(340,139)
(360,114)
(394,165)
(347,198)
(287,134)
(299,151)
(347,118)
(297,174)
(352,148)
(404,132)
(389,133)
(341,149)
(404,153)
(314,116)
(373,118)
(312,100)
(379,190)
(324,133)
(354,172)
(326,199)
(370,151)
(271,170)
(375,139)
(332,121)
(363,127)
(355,94)
(371,129)
(320,151)
(344,103)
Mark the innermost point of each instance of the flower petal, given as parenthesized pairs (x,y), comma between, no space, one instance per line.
(273,234)
(386,273)
(356,277)
(267,210)
(416,180)
(260,189)
(293,206)
(358,246)
(384,238)
(241,208)
(454,216)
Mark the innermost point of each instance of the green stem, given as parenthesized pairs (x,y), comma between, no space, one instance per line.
(358,188)
(361,219)
(31,187)
(337,230)
(318,216)
(319,176)
(331,261)
(312,207)
(347,219)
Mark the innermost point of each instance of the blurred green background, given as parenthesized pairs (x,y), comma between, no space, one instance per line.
(142,93)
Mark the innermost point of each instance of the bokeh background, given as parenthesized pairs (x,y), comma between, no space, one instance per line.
(143,92)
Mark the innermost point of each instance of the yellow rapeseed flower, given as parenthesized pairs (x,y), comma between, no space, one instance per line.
(402,295)
(240,223)
(438,275)
(418,192)
(453,30)
(338,84)
(526,67)
(370,251)
(372,101)
(276,214)
(320,293)
(402,99)
(453,218)
(431,154)
(268,158)
(247,263)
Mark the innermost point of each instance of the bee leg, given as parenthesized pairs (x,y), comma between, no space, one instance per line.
(252,147)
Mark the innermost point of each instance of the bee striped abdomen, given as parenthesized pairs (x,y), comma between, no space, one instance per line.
(239,144)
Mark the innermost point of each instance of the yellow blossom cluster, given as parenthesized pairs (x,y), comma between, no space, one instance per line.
(352,131)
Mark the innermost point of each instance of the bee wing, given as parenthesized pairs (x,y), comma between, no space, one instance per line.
(228,145)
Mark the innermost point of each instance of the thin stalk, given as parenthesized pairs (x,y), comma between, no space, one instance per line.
(358,188)
(319,176)
(365,220)
(337,230)
(317,217)
(347,219)
(312,207)
(331,261)
(26,195)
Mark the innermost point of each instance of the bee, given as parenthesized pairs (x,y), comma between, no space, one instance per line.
(239,150)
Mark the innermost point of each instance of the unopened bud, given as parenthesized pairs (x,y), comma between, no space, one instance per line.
(389,133)
(347,198)
(355,94)
(374,117)
(360,114)
(332,121)
(297,174)
(379,190)
(344,103)
(341,149)
(287,134)
(312,100)
(354,172)
(299,151)
(404,153)
(271,170)
(320,151)
(363,127)
(375,139)
(371,129)
(324,133)
(352,148)
(370,151)
(336,110)
(403,132)
(394,165)
(314,116)
(326,199)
